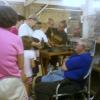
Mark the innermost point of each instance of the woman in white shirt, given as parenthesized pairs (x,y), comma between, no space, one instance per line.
(40,33)
(29,61)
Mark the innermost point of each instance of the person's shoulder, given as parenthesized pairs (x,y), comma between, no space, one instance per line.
(38,31)
(85,54)
(16,38)
(23,30)
(75,57)
(8,33)
(29,53)
(2,30)
(51,29)
(23,25)
(14,30)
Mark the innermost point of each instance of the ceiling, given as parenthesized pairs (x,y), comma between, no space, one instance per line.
(71,3)
(16,0)
(66,4)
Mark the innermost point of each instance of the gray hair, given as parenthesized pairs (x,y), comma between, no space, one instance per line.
(87,43)
(34,17)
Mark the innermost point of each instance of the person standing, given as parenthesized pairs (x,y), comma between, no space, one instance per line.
(26,29)
(11,58)
(14,29)
(29,62)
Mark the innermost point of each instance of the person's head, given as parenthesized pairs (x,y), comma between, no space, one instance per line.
(44,27)
(8,17)
(38,25)
(31,21)
(82,45)
(20,20)
(50,22)
(27,42)
(62,25)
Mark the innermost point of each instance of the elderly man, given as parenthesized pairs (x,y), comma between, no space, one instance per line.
(26,29)
(73,69)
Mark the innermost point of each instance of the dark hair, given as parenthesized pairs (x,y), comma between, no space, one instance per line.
(64,23)
(20,17)
(8,17)
(27,42)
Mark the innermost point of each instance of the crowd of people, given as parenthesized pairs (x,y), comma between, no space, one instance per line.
(21,40)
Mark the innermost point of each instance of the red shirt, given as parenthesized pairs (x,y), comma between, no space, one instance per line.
(14,30)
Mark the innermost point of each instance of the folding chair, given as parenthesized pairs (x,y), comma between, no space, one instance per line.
(87,87)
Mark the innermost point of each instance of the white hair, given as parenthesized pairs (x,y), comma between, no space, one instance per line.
(86,43)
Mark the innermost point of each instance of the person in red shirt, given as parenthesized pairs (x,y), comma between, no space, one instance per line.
(14,29)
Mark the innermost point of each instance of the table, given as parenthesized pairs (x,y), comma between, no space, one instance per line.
(44,54)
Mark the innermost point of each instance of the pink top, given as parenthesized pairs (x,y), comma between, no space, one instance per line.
(14,30)
(10,46)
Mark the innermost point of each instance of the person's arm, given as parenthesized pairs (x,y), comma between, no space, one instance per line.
(20,61)
(64,67)
(73,63)
(38,45)
(23,31)
(32,61)
(20,58)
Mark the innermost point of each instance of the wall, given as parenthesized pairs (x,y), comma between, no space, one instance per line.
(57,15)
(18,7)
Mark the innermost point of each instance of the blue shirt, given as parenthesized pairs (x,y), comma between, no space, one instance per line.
(78,66)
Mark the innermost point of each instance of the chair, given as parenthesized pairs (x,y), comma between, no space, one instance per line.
(87,87)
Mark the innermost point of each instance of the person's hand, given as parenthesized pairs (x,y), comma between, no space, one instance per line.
(37,45)
(52,44)
(29,80)
(23,76)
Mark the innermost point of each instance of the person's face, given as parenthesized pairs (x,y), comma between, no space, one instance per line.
(32,22)
(61,27)
(51,23)
(37,26)
(45,30)
(79,47)
(20,22)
